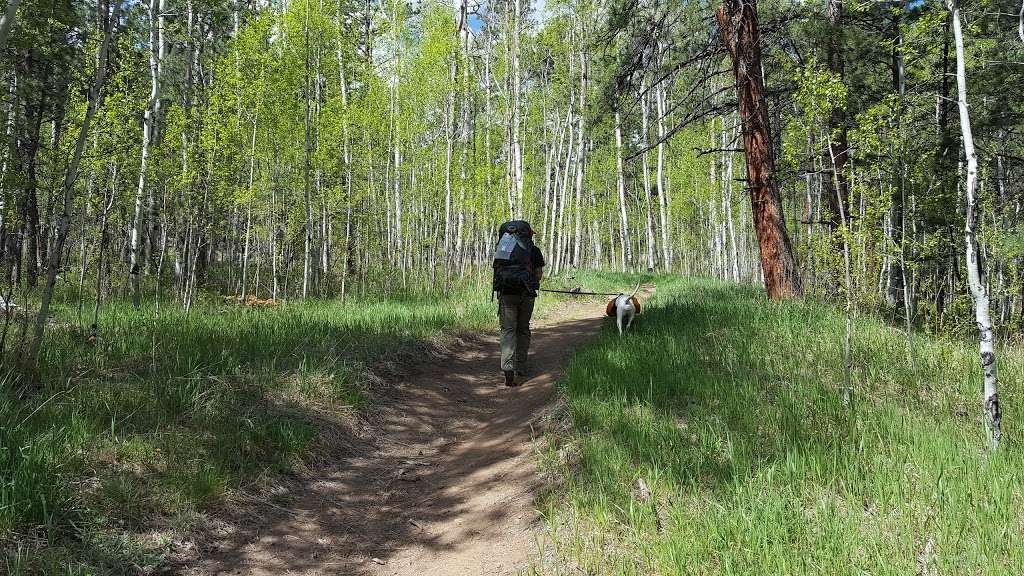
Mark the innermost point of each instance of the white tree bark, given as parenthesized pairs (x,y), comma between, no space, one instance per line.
(624,241)
(580,156)
(346,158)
(662,190)
(645,106)
(728,136)
(150,117)
(95,99)
(560,245)
(7,21)
(515,87)
(1020,22)
(979,292)
(550,233)
(464,137)
(847,390)
(449,135)
(248,214)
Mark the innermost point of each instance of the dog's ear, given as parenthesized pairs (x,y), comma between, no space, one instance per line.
(636,304)
(609,310)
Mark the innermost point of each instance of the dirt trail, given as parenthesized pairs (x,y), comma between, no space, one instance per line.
(443,483)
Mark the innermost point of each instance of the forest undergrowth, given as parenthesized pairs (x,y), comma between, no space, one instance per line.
(135,436)
(713,440)
(710,440)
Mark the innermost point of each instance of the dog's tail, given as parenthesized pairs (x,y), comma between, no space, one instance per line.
(633,300)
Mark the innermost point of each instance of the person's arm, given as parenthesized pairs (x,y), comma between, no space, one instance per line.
(538,263)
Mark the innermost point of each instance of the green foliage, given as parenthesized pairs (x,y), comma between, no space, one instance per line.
(155,422)
(728,409)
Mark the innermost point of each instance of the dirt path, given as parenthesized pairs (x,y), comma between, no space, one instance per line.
(443,483)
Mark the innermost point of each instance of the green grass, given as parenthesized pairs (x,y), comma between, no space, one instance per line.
(727,407)
(143,431)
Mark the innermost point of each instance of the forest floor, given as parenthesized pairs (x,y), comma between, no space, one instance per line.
(441,478)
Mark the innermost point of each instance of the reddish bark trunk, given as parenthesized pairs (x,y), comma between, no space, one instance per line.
(737,20)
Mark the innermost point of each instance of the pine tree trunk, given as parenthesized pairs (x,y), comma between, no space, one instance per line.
(738,23)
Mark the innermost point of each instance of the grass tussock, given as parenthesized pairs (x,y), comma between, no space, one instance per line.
(135,436)
(712,440)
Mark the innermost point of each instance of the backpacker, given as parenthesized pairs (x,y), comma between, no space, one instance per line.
(513,266)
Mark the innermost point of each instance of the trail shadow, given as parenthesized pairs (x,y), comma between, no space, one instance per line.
(443,466)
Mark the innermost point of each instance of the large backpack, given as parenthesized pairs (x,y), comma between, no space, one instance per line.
(513,265)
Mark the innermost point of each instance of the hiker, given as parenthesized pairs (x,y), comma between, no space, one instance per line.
(518,269)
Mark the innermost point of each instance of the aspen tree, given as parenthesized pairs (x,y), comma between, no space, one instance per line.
(978,289)
(149,121)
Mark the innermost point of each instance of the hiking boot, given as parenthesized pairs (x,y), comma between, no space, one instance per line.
(521,374)
(510,378)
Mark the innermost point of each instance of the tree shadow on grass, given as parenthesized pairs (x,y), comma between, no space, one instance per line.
(729,407)
(164,413)
(713,384)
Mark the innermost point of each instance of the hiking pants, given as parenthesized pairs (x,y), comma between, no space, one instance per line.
(514,312)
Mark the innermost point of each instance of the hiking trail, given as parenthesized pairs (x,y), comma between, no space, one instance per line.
(441,479)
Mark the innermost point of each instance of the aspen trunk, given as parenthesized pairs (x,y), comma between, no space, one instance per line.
(727,204)
(663,209)
(644,142)
(103,237)
(273,240)
(399,247)
(624,241)
(449,126)
(1020,22)
(979,292)
(580,158)
(514,87)
(307,172)
(464,136)
(551,231)
(150,118)
(7,21)
(70,176)
(563,199)
(897,274)
(248,214)
(837,187)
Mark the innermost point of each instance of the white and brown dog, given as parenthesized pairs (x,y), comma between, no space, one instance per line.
(624,308)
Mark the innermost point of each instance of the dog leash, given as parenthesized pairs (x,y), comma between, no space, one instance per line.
(580,292)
